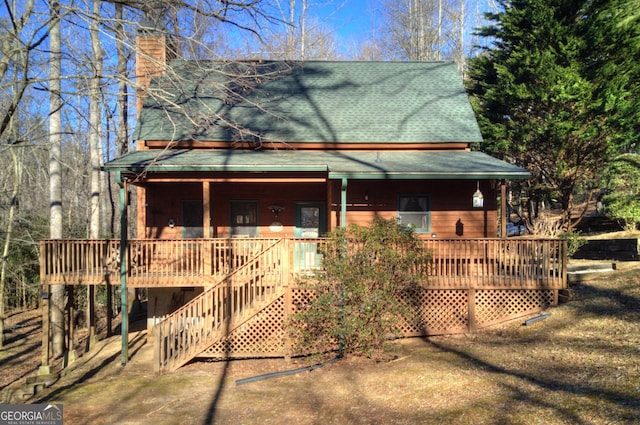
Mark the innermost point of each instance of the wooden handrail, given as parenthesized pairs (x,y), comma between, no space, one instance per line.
(497,263)
(456,263)
(217,311)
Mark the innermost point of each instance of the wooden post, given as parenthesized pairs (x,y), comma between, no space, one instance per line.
(329,211)
(503,209)
(206,227)
(91,317)
(206,209)
(70,355)
(109,307)
(45,368)
(156,353)
(343,204)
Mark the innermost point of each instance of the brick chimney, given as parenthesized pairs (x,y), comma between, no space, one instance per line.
(154,51)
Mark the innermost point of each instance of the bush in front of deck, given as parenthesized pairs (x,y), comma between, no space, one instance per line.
(357,303)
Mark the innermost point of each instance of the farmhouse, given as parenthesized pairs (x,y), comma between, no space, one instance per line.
(240,168)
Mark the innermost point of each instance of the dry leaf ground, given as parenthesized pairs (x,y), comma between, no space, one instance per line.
(581,365)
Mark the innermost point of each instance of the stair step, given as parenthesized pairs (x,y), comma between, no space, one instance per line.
(23,392)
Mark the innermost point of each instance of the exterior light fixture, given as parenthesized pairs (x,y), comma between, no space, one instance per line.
(172,223)
(276,226)
(276,209)
(478,198)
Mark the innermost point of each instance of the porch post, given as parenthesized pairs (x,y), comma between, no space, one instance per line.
(206,210)
(124,311)
(206,228)
(343,204)
(503,208)
(329,205)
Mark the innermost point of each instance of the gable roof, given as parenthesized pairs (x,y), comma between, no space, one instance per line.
(309,102)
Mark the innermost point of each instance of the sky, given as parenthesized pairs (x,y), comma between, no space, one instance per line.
(352,17)
(354,20)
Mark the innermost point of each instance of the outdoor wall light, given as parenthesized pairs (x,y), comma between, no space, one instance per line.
(478,198)
(276,209)
(172,223)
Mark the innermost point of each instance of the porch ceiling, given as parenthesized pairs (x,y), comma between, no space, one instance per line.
(337,164)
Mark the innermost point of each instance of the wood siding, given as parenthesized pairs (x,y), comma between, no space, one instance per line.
(451,215)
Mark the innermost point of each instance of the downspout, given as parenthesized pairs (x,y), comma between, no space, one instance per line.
(343,204)
(124,311)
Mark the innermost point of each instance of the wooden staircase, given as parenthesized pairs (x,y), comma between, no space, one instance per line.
(220,309)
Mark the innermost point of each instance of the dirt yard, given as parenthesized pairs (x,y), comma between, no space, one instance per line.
(581,365)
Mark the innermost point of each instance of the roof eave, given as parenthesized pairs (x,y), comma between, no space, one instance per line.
(155,168)
(431,176)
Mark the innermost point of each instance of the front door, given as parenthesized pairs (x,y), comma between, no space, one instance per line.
(310,223)
(192,219)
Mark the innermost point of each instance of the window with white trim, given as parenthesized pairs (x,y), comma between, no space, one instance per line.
(415,211)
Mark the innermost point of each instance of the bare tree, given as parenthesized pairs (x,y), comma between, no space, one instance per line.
(57,302)
(95,149)
(429,29)
(413,27)
(18,42)
(17,172)
(87,89)
(318,43)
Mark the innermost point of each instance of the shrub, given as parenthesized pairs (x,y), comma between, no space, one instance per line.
(574,242)
(622,190)
(357,301)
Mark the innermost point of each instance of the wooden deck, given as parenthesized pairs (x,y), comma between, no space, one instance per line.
(456,263)
(250,287)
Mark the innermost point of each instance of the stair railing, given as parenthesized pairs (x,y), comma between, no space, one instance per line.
(217,311)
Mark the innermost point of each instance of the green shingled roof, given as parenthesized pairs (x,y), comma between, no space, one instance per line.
(336,164)
(309,102)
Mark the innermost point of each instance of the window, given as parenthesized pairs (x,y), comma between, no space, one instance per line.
(192,219)
(244,218)
(414,210)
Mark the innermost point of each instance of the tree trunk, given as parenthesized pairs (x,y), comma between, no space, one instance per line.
(96,157)
(55,175)
(17,171)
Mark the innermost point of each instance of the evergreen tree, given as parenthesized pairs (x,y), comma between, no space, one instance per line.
(611,29)
(621,183)
(533,99)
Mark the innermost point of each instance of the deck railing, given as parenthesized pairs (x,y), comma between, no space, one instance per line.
(244,276)
(455,263)
(497,263)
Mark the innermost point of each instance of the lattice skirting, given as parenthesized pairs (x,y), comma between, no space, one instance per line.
(433,312)
(499,305)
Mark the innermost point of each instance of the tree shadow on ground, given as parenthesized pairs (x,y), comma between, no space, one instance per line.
(135,345)
(550,385)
